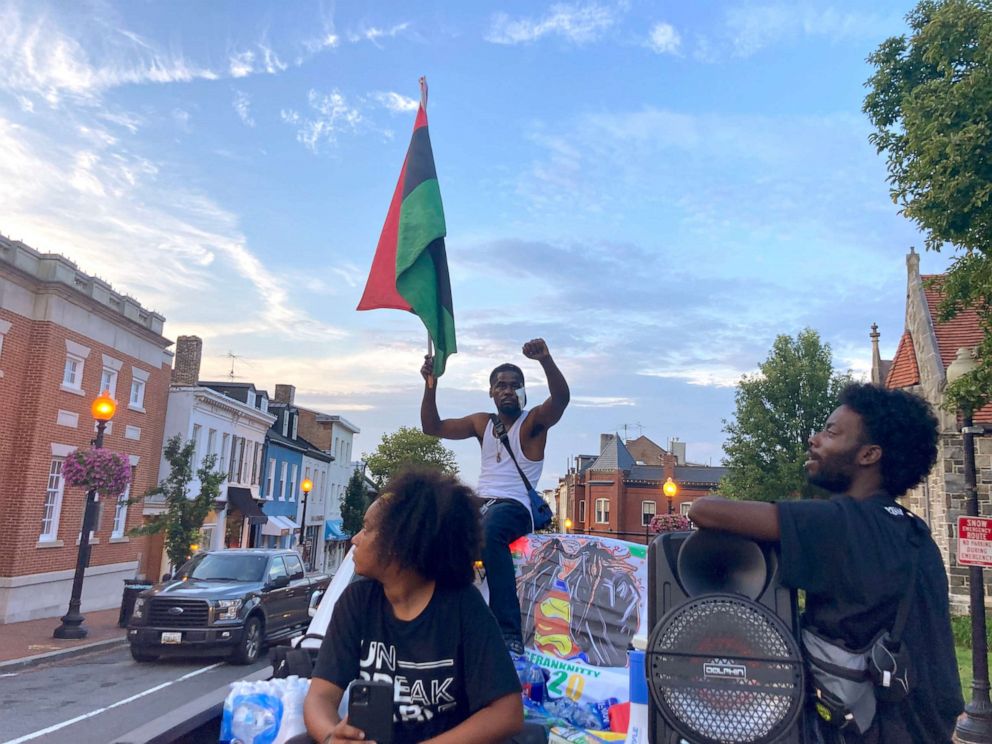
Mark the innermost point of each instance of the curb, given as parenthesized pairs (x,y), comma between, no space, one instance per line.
(63,653)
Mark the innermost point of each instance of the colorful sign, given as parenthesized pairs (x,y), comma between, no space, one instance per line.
(582,601)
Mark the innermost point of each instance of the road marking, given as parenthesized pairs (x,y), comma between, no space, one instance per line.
(9,674)
(98,711)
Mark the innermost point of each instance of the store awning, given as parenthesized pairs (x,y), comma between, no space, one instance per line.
(290,522)
(277,526)
(240,498)
(334,530)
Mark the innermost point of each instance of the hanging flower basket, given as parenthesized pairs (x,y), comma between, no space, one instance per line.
(100,469)
(670,523)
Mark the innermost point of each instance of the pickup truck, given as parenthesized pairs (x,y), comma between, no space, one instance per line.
(225,602)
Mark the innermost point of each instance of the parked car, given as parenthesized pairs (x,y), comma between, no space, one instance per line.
(225,602)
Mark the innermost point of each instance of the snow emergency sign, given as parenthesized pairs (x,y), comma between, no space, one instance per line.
(975,541)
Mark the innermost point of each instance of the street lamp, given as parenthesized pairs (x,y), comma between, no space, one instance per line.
(976,723)
(568,524)
(670,489)
(306,486)
(72,622)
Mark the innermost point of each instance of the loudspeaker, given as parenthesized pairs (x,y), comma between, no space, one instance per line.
(723,659)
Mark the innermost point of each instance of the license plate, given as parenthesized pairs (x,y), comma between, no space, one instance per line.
(172,638)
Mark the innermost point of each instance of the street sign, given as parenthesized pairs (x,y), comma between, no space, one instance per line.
(975,541)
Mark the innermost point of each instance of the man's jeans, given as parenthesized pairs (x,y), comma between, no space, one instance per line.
(504,521)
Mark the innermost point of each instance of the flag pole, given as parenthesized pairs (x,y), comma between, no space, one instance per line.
(423,105)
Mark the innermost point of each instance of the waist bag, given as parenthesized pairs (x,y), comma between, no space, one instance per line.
(540,512)
(846,684)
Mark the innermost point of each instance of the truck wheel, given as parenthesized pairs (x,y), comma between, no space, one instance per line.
(142,656)
(248,650)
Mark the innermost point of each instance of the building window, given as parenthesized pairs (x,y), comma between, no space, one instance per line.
(223,453)
(269,494)
(602,511)
(256,462)
(53,501)
(582,511)
(684,508)
(232,465)
(108,381)
(648,510)
(211,443)
(137,399)
(120,513)
(197,454)
(292,483)
(242,464)
(207,537)
(282,481)
(72,373)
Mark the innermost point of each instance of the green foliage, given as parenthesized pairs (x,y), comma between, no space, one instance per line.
(777,409)
(183,516)
(930,101)
(354,503)
(961,628)
(408,446)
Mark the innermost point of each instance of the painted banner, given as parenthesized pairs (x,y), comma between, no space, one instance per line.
(582,600)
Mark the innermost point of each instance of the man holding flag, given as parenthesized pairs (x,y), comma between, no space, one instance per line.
(507,514)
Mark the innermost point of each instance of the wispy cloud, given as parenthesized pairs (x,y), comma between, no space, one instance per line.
(242,105)
(664,39)
(579,23)
(394,101)
(374,33)
(330,114)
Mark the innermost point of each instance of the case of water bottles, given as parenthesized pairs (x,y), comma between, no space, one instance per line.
(264,712)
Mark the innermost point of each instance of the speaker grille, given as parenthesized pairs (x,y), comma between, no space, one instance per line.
(724,669)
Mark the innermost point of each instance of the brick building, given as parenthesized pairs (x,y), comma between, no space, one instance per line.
(925,351)
(620,491)
(64,337)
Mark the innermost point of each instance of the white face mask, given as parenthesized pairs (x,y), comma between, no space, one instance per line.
(521,396)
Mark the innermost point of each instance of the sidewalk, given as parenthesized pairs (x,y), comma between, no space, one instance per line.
(31,642)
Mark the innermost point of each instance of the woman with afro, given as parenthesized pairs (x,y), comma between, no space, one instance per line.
(418,622)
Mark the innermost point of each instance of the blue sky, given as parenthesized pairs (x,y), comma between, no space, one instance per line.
(657,189)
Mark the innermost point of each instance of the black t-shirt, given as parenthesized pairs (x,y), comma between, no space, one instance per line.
(445,664)
(853,559)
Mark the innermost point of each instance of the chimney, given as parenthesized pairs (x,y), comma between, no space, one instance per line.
(285,394)
(186,371)
(913,264)
(604,440)
(677,448)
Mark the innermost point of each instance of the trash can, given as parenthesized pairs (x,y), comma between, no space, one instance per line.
(132,588)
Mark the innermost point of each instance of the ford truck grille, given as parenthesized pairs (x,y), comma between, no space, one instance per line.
(178,613)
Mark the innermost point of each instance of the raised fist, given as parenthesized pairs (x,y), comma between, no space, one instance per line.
(536,349)
(427,370)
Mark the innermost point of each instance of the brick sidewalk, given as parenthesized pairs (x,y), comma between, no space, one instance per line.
(31,639)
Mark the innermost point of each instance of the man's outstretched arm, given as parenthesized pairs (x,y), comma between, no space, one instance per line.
(754,519)
(550,411)
(431,421)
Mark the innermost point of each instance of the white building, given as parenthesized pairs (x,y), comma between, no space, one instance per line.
(230,424)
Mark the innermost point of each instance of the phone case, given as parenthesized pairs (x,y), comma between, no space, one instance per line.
(370,708)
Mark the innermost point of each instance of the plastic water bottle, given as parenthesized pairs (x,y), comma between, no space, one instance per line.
(637,732)
(534,683)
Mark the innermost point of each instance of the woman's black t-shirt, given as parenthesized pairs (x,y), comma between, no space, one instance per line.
(445,664)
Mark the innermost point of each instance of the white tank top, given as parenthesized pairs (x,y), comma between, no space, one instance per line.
(498,478)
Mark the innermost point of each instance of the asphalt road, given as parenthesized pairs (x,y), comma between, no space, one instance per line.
(95,698)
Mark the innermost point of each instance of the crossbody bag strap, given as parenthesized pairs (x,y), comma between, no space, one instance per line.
(500,430)
(902,614)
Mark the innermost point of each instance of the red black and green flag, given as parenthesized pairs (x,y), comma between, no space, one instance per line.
(410,267)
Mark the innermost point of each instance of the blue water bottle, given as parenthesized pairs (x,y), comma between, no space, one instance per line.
(535,684)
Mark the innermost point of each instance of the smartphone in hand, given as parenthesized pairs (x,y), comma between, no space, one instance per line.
(370,708)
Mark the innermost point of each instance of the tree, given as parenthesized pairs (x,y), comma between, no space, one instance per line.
(777,410)
(354,503)
(930,101)
(183,516)
(408,446)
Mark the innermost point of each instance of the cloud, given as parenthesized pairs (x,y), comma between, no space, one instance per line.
(374,33)
(579,23)
(242,105)
(592,401)
(331,114)
(182,118)
(38,58)
(394,101)
(241,64)
(664,39)
(749,28)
